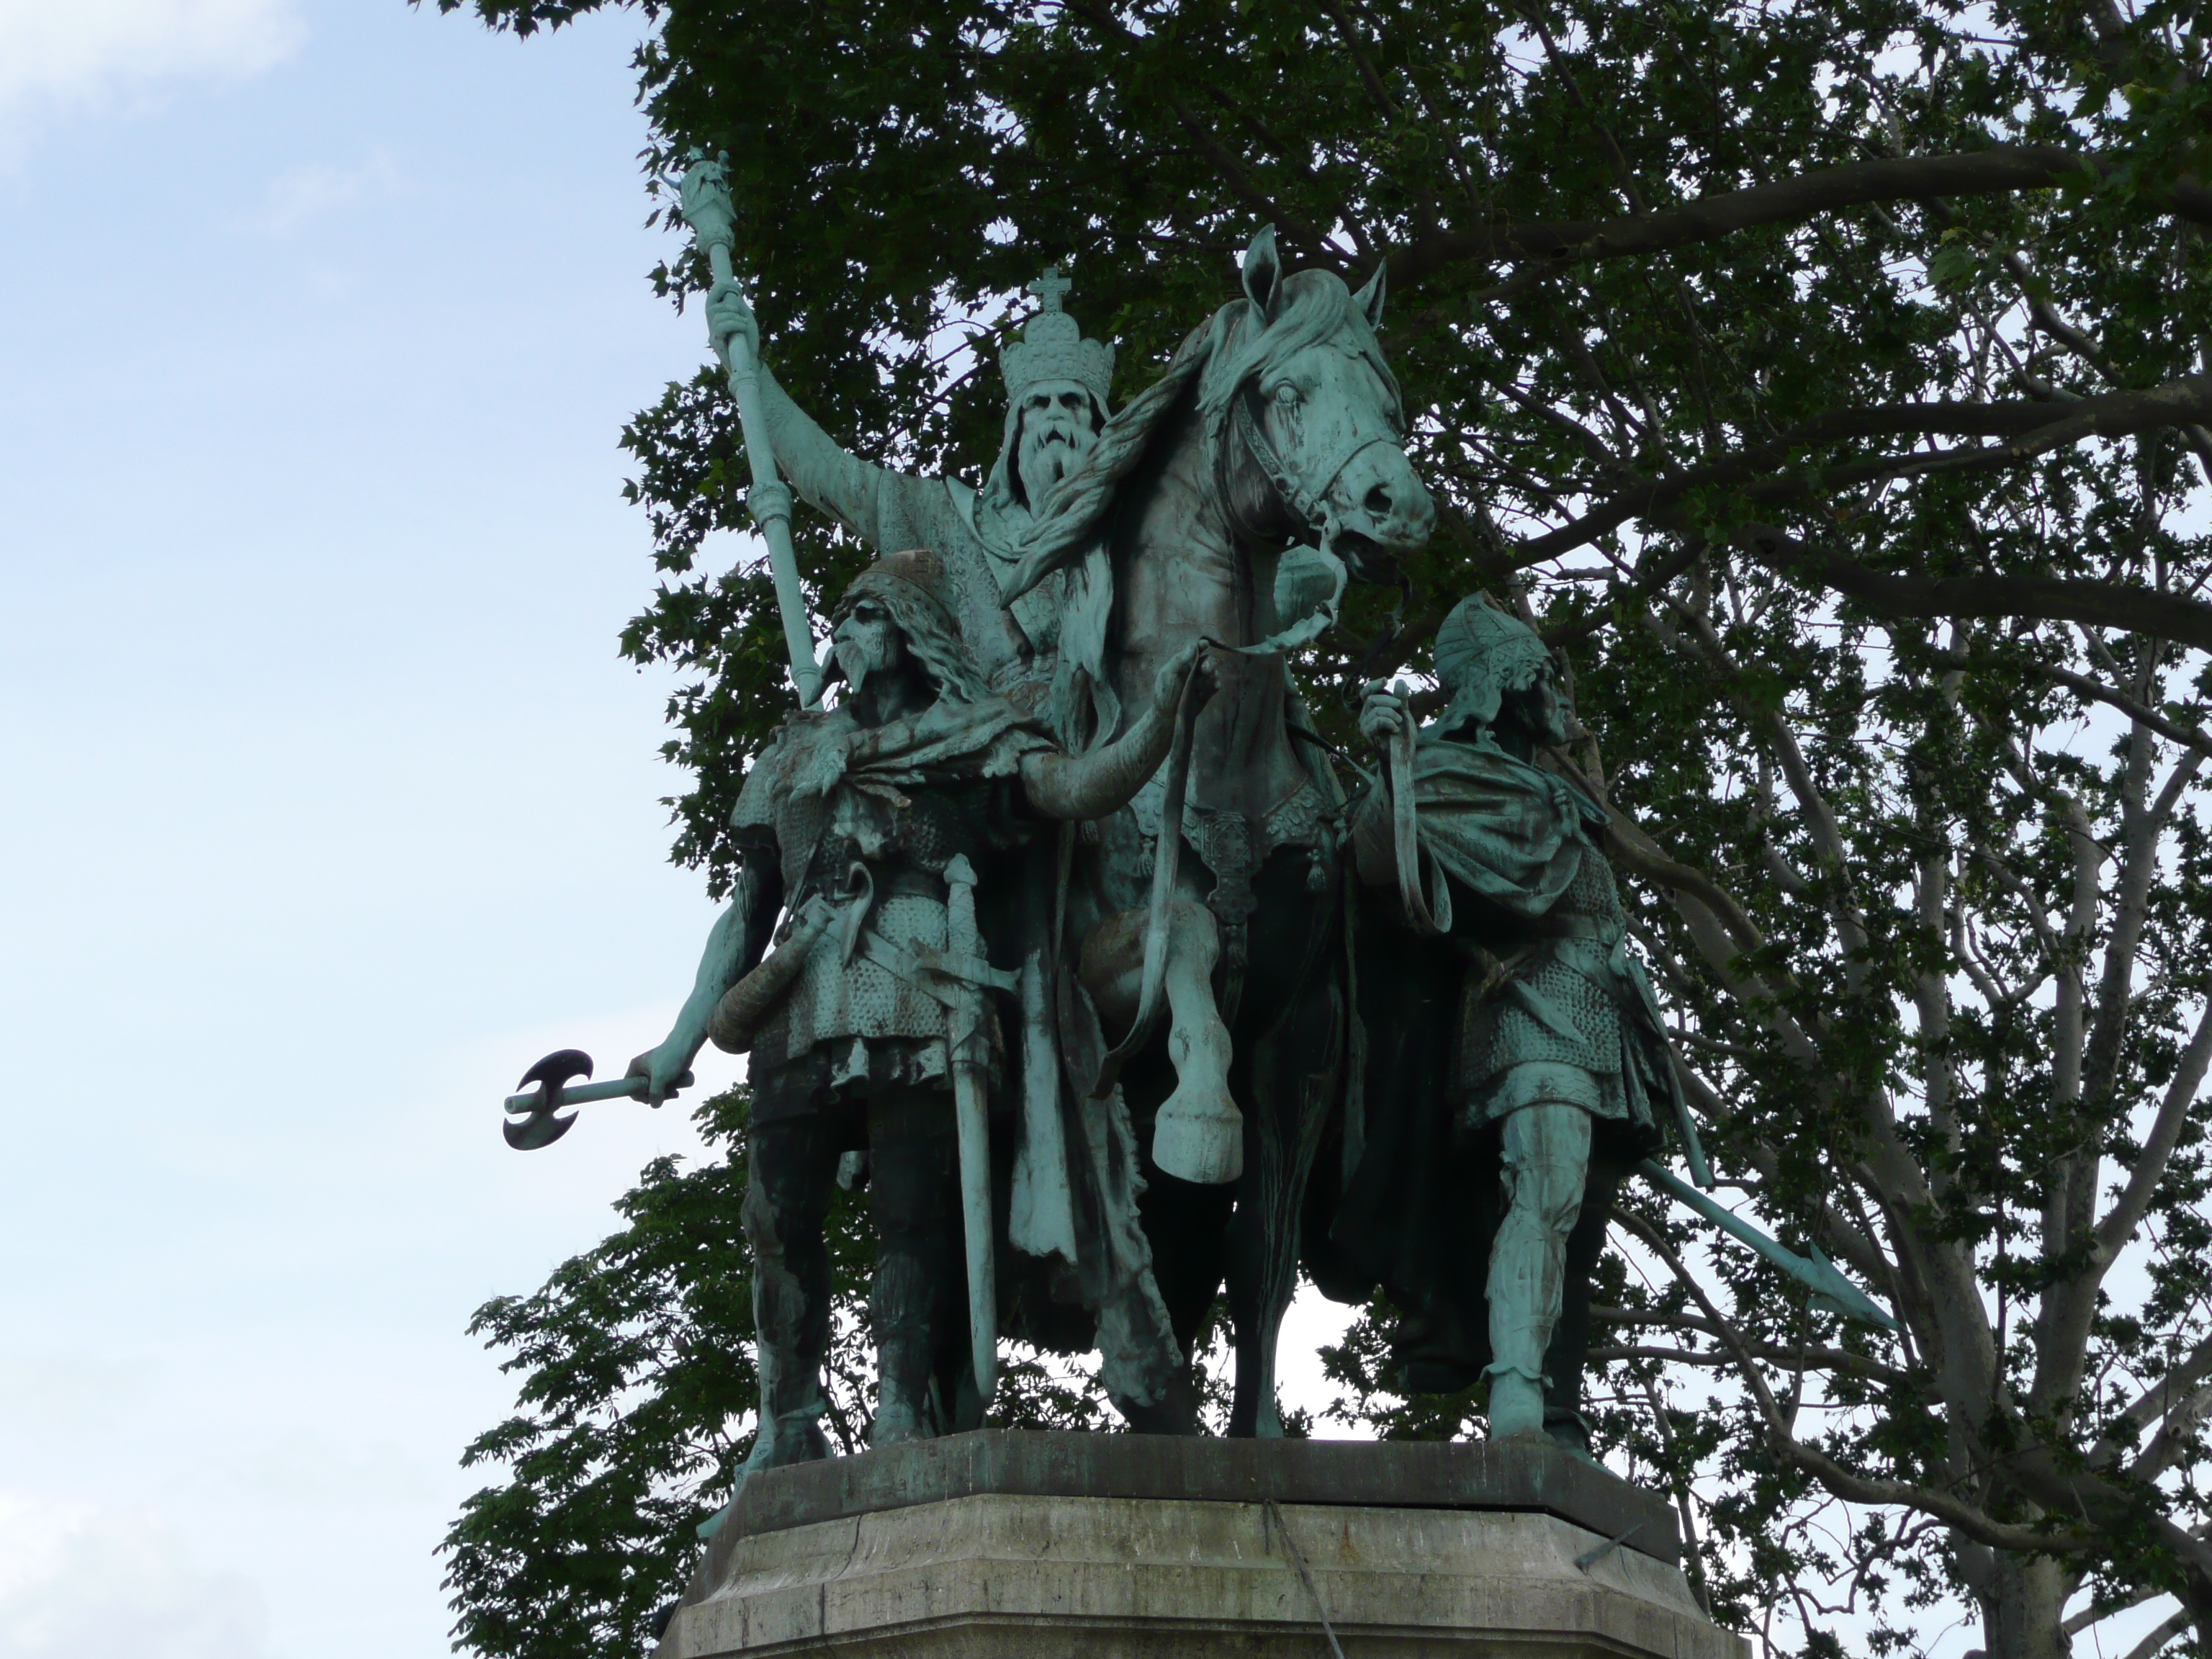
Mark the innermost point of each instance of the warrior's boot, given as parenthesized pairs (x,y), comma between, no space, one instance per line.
(899,1306)
(1547,1163)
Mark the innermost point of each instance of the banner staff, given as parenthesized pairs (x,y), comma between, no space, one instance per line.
(712,218)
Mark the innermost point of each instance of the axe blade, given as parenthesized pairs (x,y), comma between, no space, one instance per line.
(539,1125)
(540,1128)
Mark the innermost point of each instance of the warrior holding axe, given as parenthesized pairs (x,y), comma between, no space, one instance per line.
(868,828)
(870,825)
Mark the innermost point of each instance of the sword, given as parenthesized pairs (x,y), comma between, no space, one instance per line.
(964,943)
(712,218)
(1829,1287)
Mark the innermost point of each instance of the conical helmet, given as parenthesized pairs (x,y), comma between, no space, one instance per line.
(1481,654)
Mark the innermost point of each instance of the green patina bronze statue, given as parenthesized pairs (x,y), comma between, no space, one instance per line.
(1059,915)
(1056,385)
(1518,1067)
(865,828)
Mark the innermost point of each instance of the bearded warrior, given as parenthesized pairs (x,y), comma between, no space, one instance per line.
(872,823)
(1056,385)
(1516,1050)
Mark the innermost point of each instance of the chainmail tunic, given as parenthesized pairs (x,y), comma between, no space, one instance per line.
(1576,974)
(900,887)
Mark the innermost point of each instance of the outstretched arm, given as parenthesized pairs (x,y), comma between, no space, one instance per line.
(739,937)
(1092,786)
(840,484)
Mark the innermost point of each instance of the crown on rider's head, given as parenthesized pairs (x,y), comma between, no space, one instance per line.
(1052,347)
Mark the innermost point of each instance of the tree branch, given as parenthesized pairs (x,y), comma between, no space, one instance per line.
(1824,189)
(1953,1511)
(2034,425)
(2101,605)
(2189,737)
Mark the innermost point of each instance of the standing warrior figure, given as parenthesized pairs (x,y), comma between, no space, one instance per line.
(1517,1046)
(869,822)
(1056,385)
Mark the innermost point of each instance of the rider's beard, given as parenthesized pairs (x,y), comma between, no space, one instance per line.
(858,658)
(1046,456)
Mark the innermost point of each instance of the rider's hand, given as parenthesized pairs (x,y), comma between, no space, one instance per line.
(666,1069)
(1383,715)
(1195,659)
(729,317)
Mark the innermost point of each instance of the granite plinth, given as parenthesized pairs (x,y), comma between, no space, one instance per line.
(1124,1547)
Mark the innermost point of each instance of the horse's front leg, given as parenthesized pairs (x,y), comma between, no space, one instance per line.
(1198,1134)
(1289,1073)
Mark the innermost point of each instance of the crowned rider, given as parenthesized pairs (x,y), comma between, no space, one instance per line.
(858,821)
(1515,1047)
(1056,385)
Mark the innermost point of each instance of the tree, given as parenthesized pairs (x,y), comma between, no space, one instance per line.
(1828,378)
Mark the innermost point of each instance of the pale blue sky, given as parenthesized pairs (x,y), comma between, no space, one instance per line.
(330,806)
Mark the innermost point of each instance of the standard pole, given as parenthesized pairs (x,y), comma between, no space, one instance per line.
(713,217)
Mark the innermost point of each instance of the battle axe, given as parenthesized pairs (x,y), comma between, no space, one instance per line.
(534,1109)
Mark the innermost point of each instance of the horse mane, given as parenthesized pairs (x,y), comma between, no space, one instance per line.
(1317,306)
(1216,360)
(1220,356)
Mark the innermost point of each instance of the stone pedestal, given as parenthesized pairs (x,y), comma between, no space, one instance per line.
(1000,1545)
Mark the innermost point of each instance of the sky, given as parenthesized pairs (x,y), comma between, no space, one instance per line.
(329,804)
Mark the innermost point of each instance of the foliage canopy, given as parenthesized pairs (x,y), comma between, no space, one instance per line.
(1828,379)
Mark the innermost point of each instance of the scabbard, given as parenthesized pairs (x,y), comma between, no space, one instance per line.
(1428,917)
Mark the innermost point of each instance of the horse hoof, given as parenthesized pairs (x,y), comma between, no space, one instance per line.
(1200,1142)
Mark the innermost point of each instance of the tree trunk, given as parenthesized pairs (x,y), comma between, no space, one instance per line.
(2021,1618)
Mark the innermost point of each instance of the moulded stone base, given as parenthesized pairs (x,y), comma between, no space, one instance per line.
(1012,1576)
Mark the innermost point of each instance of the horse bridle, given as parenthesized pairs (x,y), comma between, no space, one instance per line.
(1311,508)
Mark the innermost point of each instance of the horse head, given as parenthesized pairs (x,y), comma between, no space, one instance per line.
(1299,376)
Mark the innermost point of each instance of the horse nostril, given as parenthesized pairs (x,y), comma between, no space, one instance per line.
(1377,501)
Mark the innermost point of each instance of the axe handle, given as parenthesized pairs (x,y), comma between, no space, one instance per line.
(579,1094)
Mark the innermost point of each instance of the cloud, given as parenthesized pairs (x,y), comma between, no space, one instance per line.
(310,190)
(95,1582)
(58,56)
(308,1468)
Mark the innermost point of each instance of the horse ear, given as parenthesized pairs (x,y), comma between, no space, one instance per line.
(1370,299)
(1263,276)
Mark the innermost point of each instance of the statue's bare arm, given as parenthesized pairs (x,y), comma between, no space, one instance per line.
(840,484)
(1060,786)
(740,938)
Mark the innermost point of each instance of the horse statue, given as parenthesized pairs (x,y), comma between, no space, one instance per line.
(1229,502)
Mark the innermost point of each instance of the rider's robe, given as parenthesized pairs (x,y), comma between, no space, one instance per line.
(1530,995)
